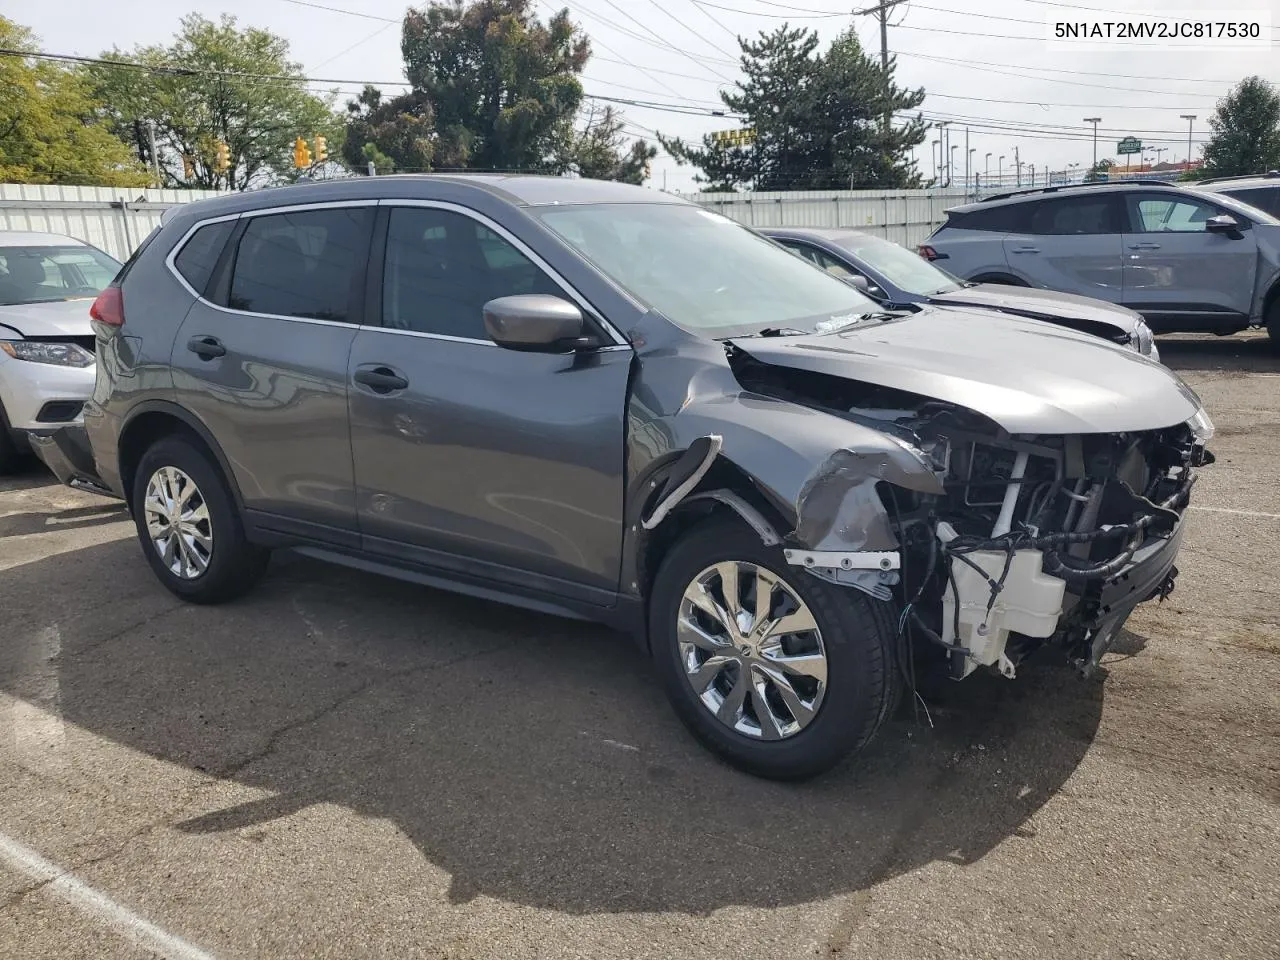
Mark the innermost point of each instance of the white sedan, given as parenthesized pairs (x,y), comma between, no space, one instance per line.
(47,283)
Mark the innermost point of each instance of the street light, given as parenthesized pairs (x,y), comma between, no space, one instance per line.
(986,171)
(933,154)
(1095,121)
(1191,121)
(1000,169)
(951,163)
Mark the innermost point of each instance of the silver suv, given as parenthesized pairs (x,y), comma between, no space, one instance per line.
(1185,260)
(1262,192)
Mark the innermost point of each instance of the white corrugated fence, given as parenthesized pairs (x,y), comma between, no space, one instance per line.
(117,219)
(903,216)
(113,219)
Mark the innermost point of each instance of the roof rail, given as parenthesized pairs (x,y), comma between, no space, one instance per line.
(1075,186)
(1269,175)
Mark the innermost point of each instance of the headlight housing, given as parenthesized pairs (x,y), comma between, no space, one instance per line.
(1201,426)
(41,351)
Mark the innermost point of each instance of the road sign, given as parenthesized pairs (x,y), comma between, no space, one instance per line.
(1129,145)
(734,138)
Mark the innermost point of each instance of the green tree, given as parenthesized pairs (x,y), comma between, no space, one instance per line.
(1246,131)
(47,128)
(598,149)
(492,88)
(216,83)
(817,119)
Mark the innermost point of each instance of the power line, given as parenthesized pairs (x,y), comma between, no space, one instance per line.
(716,20)
(682,24)
(663,42)
(1083,73)
(350,13)
(171,70)
(660,44)
(771,16)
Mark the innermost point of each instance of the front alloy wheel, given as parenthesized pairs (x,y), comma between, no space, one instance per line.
(751,650)
(178,523)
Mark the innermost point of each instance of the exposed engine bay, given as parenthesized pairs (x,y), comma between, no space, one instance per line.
(1033,540)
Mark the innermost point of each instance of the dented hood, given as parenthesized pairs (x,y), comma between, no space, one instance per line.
(1027,376)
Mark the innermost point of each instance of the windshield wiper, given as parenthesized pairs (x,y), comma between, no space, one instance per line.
(779,332)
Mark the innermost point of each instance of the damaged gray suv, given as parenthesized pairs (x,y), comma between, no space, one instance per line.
(600,401)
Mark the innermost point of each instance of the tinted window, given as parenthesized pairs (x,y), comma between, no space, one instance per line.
(1005,218)
(1169,214)
(904,269)
(1073,215)
(1264,198)
(43,274)
(443,267)
(704,272)
(301,264)
(198,256)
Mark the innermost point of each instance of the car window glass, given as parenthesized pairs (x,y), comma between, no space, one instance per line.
(820,259)
(1072,216)
(199,255)
(704,272)
(903,268)
(1264,198)
(1171,214)
(46,273)
(300,264)
(441,269)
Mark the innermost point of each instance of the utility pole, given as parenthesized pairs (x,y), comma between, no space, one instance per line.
(933,155)
(881,12)
(1017,163)
(1000,170)
(1191,122)
(155,160)
(1095,121)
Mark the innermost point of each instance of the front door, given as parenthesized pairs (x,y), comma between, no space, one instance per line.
(263,363)
(1176,272)
(471,457)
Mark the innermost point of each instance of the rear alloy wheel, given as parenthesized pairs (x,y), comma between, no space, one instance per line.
(780,673)
(189,526)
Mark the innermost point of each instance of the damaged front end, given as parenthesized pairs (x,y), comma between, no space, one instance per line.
(1027,539)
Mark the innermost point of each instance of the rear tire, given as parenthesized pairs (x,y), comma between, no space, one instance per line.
(854,634)
(1273,323)
(188,524)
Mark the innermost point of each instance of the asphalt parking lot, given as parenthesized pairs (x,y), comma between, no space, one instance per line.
(346,766)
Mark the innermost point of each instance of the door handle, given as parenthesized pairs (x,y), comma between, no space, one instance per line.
(1144,246)
(1026,250)
(380,379)
(206,348)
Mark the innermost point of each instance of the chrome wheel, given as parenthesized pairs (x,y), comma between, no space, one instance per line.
(178,523)
(751,650)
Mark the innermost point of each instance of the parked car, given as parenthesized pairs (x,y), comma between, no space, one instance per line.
(897,278)
(602,401)
(1262,191)
(46,343)
(1185,260)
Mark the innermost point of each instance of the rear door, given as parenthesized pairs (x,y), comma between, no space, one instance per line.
(477,459)
(1072,244)
(262,361)
(1176,272)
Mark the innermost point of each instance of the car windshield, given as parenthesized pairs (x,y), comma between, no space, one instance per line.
(46,274)
(903,268)
(706,273)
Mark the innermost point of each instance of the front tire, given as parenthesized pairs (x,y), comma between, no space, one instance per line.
(780,673)
(188,524)
(1273,323)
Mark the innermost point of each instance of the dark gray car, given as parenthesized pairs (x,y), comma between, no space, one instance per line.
(896,277)
(600,401)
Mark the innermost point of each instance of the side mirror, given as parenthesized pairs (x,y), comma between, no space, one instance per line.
(1223,223)
(534,323)
(858,281)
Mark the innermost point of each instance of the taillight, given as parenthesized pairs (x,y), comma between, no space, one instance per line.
(927,252)
(108,308)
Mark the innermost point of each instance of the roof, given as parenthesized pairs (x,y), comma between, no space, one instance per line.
(834,234)
(1113,186)
(30,238)
(1218,184)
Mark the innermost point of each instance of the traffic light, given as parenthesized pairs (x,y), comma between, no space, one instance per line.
(301,154)
(222,158)
(188,166)
(322,150)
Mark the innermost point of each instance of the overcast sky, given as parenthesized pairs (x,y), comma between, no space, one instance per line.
(984,63)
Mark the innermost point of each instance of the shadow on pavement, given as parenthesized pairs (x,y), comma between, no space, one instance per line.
(74,518)
(531,758)
(1245,353)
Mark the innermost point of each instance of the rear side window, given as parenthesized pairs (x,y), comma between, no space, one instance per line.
(301,264)
(199,255)
(1074,216)
(1264,198)
(1005,218)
